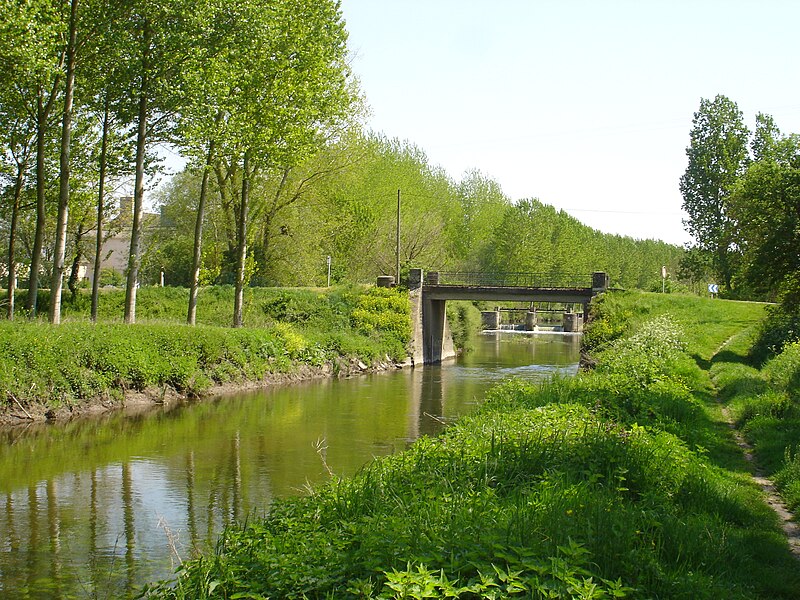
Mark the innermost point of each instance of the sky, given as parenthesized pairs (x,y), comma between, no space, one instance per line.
(586,105)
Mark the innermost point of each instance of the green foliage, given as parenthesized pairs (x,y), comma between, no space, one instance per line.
(646,356)
(385,312)
(717,158)
(464,319)
(342,202)
(567,490)
(534,237)
(82,360)
(781,327)
(111,277)
(783,371)
(765,206)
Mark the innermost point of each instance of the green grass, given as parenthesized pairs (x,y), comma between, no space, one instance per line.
(78,360)
(765,405)
(706,323)
(595,487)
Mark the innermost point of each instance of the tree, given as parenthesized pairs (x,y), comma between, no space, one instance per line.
(766,205)
(70,53)
(288,90)
(162,36)
(717,156)
(482,205)
(17,138)
(31,61)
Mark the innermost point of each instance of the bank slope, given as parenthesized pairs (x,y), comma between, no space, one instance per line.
(48,370)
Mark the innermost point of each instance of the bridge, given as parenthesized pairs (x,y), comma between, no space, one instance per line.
(430,292)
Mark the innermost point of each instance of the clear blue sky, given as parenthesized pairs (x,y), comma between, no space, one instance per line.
(586,105)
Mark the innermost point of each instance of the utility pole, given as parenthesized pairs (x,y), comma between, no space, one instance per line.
(397,255)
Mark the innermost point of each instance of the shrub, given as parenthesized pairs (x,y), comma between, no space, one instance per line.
(783,371)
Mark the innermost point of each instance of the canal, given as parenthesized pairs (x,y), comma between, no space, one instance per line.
(97,508)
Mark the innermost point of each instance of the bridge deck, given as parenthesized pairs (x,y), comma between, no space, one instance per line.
(556,281)
(511,294)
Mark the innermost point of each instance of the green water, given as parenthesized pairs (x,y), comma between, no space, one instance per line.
(97,508)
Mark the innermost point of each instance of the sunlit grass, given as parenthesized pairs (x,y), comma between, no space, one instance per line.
(78,360)
(622,482)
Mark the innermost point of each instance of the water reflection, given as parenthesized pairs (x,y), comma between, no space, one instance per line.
(98,508)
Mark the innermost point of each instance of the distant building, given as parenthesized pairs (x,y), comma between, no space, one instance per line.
(116,248)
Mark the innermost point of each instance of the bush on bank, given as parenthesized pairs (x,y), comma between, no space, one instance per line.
(596,487)
(57,366)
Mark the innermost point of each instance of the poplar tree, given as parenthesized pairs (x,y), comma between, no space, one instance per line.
(162,36)
(718,156)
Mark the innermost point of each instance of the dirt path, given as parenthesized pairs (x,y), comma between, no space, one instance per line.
(789,526)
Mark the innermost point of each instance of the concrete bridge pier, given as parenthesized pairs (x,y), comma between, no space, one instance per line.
(573,322)
(437,341)
(530,320)
(432,341)
(490,319)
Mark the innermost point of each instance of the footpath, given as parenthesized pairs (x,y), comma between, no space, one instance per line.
(733,346)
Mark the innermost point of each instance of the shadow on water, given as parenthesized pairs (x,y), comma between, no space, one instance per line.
(98,508)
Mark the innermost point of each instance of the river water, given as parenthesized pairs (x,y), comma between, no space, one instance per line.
(97,508)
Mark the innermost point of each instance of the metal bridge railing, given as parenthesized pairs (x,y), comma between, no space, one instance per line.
(498,279)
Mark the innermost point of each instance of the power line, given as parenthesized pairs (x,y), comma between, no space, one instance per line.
(624,212)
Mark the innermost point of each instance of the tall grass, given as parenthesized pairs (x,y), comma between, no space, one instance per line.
(766,407)
(595,487)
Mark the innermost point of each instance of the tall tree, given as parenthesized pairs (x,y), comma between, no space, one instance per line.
(17,137)
(32,54)
(71,51)
(717,156)
(766,205)
(163,35)
(288,90)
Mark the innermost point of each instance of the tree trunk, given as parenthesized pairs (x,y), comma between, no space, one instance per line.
(63,197)
(241,239)
(38,239)
(134,255)
(198,237)
(98,247)
(73,281)
(12,239)
(224,184)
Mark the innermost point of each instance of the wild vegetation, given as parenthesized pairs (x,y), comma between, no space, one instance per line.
(623,482)
(298,328)
(765,405)
(741,194)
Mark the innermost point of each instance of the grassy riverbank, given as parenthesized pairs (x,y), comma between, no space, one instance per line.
(45,368)
(623,482)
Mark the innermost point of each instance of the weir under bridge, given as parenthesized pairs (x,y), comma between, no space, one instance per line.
(430,292)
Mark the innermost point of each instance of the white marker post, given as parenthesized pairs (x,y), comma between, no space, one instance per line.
(663,278)
(329,271)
